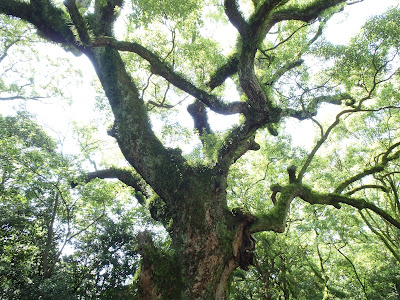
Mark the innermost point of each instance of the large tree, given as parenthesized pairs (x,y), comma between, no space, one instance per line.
(272,65)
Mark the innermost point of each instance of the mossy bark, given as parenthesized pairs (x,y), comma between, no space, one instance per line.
(208,242)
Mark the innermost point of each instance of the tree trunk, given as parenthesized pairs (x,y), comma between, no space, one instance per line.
(208,241)
(46,266)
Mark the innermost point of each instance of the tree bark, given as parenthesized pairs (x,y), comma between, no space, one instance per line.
(47,267)
(209,242)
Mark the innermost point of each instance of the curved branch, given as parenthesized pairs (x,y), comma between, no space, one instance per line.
(160,68)
(261,15)
(48,19)
(386,158)
(311,109)
(395,192)
(124,175)
(256,96)
(335,200)
(376,169)
(321,141)
(275,218)
(7,47)
(225,71)
(271,13)
(306,13)
(282,70)
(367,186)
(297,59)
(370,171)
(260,23)
(286,39)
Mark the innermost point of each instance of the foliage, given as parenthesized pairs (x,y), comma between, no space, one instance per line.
(192,202)
(40,216)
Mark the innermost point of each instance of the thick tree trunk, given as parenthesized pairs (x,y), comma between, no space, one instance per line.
(202,271)
(209,242)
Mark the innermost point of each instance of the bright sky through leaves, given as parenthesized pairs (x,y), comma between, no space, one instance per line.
(58,118)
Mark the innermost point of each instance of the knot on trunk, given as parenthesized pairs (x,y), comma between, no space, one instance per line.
(243,244)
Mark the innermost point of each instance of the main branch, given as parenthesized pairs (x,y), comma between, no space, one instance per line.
(51,22)
(160,68)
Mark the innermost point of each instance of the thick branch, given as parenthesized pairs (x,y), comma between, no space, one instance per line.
(263,109)
(228,69)
(160,68)
(261,22)
(259,18)
(105,16)
(275,218)
(236,18)
(386,158)
(124,175)
(312,107)
(49,20)
(306,13)
(78,21)
(237,143)
(161,168)
(334,199)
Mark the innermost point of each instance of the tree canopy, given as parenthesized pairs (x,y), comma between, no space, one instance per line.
(201,212)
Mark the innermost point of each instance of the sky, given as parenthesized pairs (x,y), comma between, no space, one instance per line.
(343,26)
(58,118)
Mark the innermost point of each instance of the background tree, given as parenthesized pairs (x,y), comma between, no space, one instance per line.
(202,200)
(40,216)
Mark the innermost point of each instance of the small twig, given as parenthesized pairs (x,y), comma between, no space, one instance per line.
(354,269)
